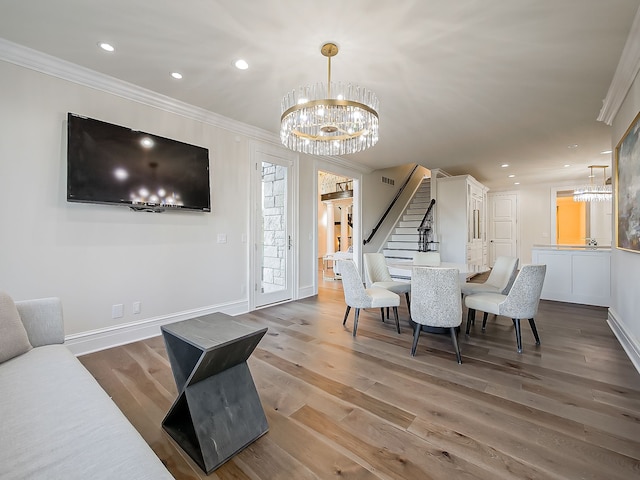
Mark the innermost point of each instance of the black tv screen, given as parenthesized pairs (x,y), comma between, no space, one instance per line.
(110,164)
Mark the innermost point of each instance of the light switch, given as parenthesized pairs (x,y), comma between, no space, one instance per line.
(222,238)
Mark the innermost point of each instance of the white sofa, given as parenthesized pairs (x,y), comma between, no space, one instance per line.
(56,422)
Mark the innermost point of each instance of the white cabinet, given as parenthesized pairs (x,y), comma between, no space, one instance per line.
(575,274)
(461,212)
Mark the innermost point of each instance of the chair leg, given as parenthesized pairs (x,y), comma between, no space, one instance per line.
(355,321)
(388,313)
(416,335)
(484,321)
(534,330)
(516,322)
(395,314)
(344,322)
(382,314)
(454,340)
(406,295)
(471,315)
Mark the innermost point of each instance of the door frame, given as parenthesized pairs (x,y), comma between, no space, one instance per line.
(256,149)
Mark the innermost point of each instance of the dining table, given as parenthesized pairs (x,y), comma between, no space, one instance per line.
(402,270)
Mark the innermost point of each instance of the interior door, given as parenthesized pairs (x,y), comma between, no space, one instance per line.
(273,240)
(503,212)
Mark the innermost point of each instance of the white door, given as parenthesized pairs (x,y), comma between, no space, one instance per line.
(273,240)
(503,221)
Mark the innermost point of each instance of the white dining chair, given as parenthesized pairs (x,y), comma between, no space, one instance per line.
(521,301)
(377,275)
(500,279)
(427,258)
(357,296)
(436,302)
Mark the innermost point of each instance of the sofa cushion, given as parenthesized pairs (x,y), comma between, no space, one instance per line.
(58,423)
(13,337)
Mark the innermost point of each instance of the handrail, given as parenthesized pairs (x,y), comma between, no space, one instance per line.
(393,202)
(424,219)
(424,229)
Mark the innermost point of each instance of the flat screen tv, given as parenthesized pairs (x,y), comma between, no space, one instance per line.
(110,164)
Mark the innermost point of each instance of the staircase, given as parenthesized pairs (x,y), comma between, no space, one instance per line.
(404,242)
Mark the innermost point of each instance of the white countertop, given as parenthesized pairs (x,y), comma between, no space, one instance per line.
(573,247)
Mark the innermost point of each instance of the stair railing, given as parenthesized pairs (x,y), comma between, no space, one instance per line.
(424,230)
(393,202)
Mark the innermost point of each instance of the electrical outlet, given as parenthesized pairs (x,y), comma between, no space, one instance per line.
(117,311)
(137,307)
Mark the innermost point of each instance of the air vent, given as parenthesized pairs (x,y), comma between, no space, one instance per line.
(388,181)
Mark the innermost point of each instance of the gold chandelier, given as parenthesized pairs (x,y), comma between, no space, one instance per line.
(594,192)
(315,122)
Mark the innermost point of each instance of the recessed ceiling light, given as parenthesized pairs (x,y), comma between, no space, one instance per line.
(241,64)
(176,75)
(504,165)
(107,47)
(605,152)
(575,145)
(511,176)
(566,165)
(516,183)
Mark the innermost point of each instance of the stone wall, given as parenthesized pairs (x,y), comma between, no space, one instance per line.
(274,227)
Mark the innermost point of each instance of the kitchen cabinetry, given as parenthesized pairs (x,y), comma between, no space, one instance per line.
(575,274)
(461,212)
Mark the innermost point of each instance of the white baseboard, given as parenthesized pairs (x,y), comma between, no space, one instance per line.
(309,291)
(94,340)
(630,346)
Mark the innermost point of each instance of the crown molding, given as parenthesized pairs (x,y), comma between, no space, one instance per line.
(56,67)
(625,74)
(41,62)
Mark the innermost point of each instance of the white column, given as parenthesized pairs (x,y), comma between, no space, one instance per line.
(344,228)
(330,228)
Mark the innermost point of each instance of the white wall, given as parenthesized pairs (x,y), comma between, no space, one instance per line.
(307,224)
(95,256)
(625,308)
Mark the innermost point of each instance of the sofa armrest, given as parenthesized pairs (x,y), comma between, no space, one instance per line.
(42,319)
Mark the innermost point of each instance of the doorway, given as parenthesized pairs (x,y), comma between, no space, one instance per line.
(580,223)
(337,229)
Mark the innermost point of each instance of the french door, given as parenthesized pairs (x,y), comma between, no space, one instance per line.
(273,242)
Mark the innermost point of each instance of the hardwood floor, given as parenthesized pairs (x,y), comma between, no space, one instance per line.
(362,408)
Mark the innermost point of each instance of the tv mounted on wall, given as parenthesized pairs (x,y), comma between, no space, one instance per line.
(114,165)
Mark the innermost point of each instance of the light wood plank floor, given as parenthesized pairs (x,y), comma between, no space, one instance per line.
(362,408)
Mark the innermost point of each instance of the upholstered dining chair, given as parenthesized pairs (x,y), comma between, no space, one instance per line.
(521,302)
(431,259)
(500,279)
(377,275)
(436,302)
(357,296)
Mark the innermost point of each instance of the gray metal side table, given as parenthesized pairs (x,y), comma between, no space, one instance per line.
(218,411)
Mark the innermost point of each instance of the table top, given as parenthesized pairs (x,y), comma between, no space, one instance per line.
(463,268)
(211,331)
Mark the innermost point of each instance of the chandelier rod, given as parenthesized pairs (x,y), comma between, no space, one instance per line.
(329,50)
(329,76)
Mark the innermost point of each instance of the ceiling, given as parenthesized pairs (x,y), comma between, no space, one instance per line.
(464,85)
